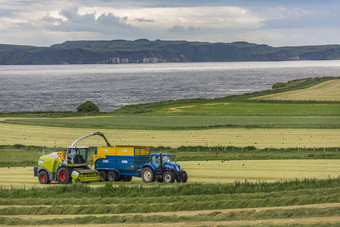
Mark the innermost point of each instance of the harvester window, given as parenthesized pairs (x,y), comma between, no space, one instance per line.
(77,156)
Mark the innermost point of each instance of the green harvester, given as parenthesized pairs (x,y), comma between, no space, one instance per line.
(69,166)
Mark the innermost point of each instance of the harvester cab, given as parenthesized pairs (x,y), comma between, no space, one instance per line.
(69,166)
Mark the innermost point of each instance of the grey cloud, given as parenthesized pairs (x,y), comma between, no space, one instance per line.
(144,20)
(105,23)
(179,29)
(69,13)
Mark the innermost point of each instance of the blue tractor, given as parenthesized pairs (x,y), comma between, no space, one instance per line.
(161,169)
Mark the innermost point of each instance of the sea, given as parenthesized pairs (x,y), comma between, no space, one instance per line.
(111,86)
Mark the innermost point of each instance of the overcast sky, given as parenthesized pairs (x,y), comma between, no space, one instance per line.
(272,22)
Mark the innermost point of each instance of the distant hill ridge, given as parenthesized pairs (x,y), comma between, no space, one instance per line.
(145,51)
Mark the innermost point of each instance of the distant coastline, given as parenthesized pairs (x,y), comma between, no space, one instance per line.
(158,51)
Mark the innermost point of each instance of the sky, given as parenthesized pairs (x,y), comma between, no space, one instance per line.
(271,22)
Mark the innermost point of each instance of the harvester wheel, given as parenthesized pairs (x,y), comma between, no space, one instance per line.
(112,176)
(43,177)
(148,175)
(64,175)
(103,176)
(169,177)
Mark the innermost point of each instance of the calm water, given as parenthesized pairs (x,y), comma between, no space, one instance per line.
(64,87)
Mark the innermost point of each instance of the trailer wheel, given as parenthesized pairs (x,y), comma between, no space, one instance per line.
(126,178)
(148,175)
(103,175)
(64,175)
(169,177)
(43,177)
(112,176)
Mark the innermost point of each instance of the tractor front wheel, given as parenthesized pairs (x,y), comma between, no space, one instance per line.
(43,177)
(64,175)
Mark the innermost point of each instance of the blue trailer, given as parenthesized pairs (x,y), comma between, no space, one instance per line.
(121,163)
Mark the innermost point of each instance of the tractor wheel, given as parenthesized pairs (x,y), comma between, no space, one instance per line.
(64,175)
(184,177)
(43,177)
(148,175)
(112,176)
(126,178)
(169,177)
(103,175)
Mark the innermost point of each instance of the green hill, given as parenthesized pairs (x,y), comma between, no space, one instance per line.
(145,51)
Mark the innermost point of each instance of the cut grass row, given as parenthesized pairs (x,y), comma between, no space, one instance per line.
(159,191)
(234,199)
(211,217)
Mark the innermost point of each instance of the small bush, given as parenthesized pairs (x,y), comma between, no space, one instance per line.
(88,107)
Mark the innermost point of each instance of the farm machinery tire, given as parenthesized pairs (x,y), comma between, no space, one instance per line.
(112,176)
(148,175)
(103,175)
(64,175)
(183,177)
(169,177)
(43,177)
(126,178)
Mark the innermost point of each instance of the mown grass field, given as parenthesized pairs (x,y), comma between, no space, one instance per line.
(212,172)
(326,91)
(240,137)
(300,202)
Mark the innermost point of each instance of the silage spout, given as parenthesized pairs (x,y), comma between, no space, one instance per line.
(107,142)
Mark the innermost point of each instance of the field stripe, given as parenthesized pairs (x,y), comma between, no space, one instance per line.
(326,91)
(261,138)
(175,213)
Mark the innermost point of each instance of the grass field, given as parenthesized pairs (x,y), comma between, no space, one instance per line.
(261,138)
(214,171)
(326,91)
(299,202)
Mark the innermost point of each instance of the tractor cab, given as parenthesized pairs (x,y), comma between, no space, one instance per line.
(159,159)
(76,155)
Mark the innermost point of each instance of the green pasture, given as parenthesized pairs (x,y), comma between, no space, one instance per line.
(185,122)
(252,109)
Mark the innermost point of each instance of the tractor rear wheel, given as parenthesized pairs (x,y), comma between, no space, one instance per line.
(43,177)
(169,177)
(103,175)
(112,176)
(64,175)
(148,175)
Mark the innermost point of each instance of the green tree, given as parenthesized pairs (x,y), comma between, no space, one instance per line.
(88,107)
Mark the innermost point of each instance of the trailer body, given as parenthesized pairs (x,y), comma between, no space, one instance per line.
(124,160)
